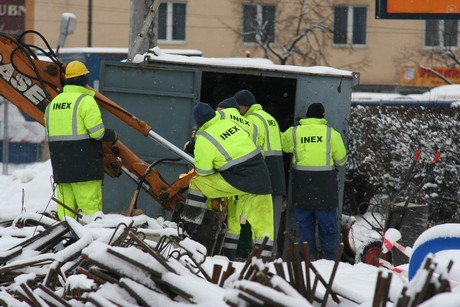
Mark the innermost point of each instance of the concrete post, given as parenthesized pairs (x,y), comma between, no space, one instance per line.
(138,13)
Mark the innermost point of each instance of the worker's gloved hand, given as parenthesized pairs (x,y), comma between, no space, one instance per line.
(109,135)
(189,146)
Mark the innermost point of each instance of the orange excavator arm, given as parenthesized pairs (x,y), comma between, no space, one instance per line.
(31,83)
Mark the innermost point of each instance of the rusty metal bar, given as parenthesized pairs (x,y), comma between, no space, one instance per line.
(91,275)
(386,292)
(378,291)
(331,279)
(135,263)
(133,293)
(306,255)
(254,253)
(102,275)
(158,257)
(77,214)
(54,296)
(279,269)
(230,270)
(299,281)
(321,279)
(50,280)
(122,237)
(32,297)
(216,272)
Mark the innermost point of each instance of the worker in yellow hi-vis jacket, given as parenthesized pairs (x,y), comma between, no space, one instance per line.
(228,163)
(317,150)
(75,131)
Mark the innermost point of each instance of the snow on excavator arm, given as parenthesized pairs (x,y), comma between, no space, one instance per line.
(30,84)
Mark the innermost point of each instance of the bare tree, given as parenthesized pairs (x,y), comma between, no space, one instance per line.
(301,29)
(299,33)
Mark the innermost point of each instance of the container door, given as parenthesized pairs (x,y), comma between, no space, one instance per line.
(162,96)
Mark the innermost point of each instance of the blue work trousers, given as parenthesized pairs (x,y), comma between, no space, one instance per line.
(328,231)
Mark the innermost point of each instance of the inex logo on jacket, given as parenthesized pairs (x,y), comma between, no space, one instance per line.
(229,132)
(311,139)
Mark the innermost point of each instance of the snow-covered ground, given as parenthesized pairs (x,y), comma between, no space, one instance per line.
(27,190)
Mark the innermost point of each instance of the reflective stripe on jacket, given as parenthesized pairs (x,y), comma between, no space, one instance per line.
(268,130)
(221,144)
(269,138)
(314,145)
(77,109)
(74,126)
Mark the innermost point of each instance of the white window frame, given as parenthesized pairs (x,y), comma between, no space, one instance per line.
(440,37)
(259,18)
(169,23)
(350,15)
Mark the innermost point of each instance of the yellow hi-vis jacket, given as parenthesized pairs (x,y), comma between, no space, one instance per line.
(314,145)
(269,136)
(74,115)
(235,116)
(268,130)
(223,146)
(74,125)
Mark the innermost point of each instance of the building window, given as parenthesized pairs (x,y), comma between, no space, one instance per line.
(258,23)
(441,33)
(350,25)
(171,21)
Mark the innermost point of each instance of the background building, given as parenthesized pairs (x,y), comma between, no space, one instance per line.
(390,55)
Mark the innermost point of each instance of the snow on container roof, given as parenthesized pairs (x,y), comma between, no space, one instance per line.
(118,50)
(157,55)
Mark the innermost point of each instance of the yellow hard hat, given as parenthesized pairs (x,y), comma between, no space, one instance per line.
(75,69)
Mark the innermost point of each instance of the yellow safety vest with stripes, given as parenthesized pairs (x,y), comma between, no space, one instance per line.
(77,106)
(314,145)
(221,144)
(269,134)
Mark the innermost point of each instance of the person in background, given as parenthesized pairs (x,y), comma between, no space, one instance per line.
(269,139)
(75,131)
(228,163)
(317,150)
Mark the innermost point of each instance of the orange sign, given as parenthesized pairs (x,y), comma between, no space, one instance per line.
(417,76)
(423,6)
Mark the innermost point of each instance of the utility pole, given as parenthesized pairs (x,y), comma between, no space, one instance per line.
(143,26)
(90,22)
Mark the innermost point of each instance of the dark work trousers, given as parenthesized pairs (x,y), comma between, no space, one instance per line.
(327,231)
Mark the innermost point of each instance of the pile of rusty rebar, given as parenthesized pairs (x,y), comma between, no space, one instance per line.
(62,265)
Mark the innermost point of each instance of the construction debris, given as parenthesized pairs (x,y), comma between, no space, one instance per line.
(69,264)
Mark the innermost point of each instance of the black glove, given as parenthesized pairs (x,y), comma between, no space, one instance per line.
(189,146)
(109,135)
